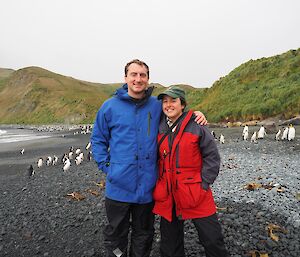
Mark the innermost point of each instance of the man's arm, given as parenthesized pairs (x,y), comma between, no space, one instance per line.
(100,141)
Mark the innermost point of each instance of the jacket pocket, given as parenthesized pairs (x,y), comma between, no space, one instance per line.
(188,193)
(160,192)
(123,176)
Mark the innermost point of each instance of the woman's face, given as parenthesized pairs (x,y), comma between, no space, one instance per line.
(172,107)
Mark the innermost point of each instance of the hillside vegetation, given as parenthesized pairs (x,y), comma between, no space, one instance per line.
(255,90)
(37,96)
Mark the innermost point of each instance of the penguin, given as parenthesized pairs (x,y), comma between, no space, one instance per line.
(70,155)
(30,171)
(261,133)
(291,133)
(78,160)
(254,136)
(213,133)
(285,134)
(246,129)
(22,151)
(40,162)
(89,156)
(49,160)
(277,136)
(67,165)
(222,139)
(64,158)
(246,135)
(78,151)
(55,160)
(88,146)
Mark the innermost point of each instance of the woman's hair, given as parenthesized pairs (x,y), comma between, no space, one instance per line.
(183,102)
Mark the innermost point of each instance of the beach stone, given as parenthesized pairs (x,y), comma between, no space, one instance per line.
(89,253)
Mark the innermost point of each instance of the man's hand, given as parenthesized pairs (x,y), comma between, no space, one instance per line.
(200,118)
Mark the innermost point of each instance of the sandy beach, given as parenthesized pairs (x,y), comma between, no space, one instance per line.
(38,218)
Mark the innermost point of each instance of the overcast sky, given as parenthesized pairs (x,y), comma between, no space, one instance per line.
(183,41)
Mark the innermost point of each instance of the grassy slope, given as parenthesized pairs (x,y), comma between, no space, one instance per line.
(4,76)
(256,90)
(34,95)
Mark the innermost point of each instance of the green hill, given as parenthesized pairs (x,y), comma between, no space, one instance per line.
(36,96)
(4,73)
(255,90)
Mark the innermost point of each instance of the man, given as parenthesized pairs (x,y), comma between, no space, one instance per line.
(125,148)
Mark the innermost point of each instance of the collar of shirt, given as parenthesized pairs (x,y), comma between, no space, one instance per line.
(170,123)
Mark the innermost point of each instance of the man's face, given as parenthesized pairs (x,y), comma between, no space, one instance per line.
(137,80)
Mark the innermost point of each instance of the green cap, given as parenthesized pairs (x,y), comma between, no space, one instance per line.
(174,92)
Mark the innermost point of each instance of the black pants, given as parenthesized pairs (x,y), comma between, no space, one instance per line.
(120,217)
(209,232)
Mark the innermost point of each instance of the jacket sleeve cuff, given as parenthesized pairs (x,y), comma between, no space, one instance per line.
(103,167)
(204,185)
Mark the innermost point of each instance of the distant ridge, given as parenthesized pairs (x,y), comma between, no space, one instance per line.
(256,90)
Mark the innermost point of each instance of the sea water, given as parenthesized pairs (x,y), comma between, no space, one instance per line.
(18,135)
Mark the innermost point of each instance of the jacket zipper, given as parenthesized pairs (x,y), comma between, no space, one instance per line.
(149,123)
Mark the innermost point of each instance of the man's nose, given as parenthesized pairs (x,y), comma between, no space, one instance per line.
(138,77)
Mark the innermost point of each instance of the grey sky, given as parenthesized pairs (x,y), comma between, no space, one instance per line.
(183,41)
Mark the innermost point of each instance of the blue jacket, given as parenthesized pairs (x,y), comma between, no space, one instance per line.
(124,145)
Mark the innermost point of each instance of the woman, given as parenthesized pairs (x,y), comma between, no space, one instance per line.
(188,163)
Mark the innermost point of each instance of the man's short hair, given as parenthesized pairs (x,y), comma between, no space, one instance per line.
(139,62)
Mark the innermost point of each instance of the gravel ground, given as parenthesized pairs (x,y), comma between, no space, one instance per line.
(38,218)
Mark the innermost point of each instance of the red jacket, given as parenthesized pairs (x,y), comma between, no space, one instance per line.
(188,162)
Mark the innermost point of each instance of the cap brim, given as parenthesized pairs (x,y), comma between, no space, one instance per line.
(160,96)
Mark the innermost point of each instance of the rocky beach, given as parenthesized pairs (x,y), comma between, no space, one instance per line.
(57,213)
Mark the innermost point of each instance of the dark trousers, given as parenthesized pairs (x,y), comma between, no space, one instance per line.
(209,233)
(121,216)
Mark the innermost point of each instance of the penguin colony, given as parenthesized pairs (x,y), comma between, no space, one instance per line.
(70,157)
(286,133)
